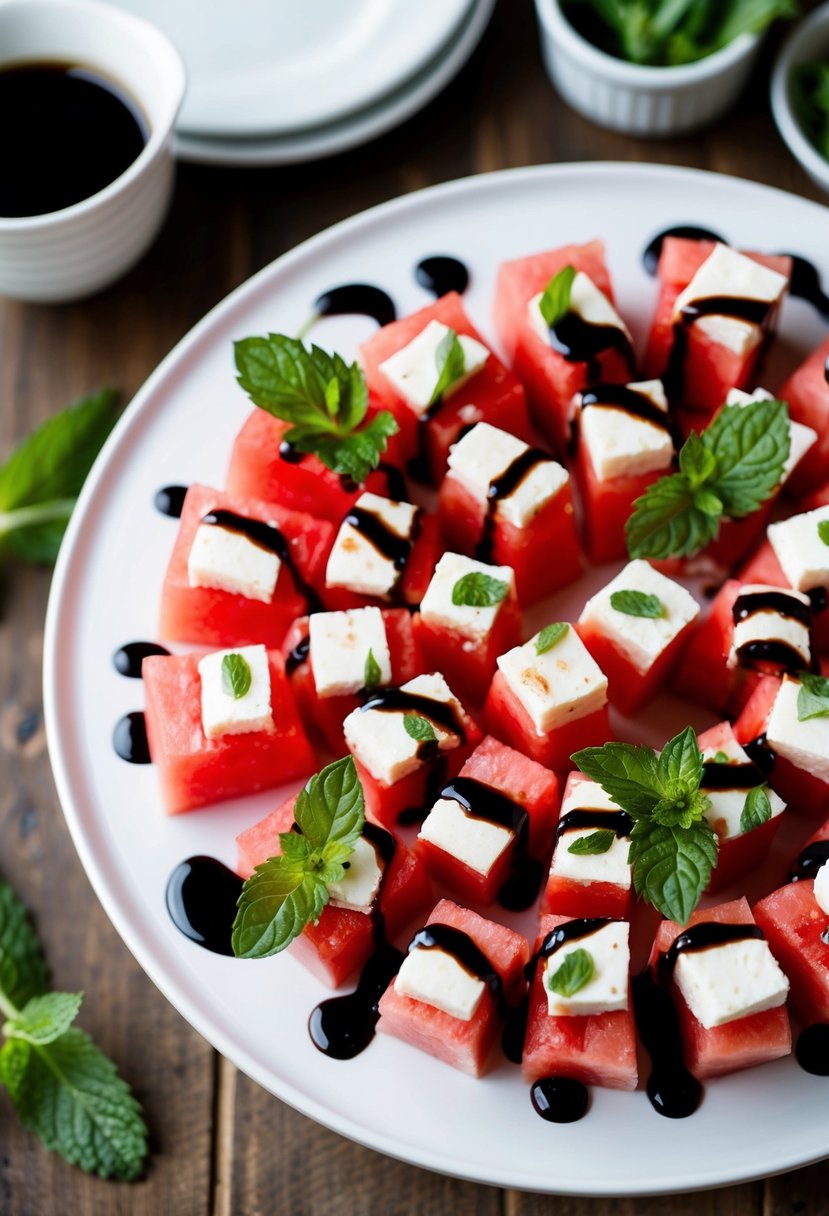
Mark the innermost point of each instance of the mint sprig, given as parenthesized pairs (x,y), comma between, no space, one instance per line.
(726,472)
(554,304)
(812,696)
(478,590)
(287,892)
(63,1088)
(673,849)
(575,973)
(236,676)
(637,603)
(324,398)
(450,362)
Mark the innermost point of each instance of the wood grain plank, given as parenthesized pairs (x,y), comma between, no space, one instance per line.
(728,1201)
(800,1193)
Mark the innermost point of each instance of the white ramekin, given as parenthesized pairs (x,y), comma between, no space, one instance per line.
(68,254)
(810,40)
(638,100)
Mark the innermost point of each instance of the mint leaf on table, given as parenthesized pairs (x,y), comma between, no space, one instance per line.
(419,728)
(550,635)
(757,809)
(41,480)
(477,590)
(575,973)
(44,1018)
(24,972)
(594,844)
(287,892)
(450,363)
(236,676)
(554,304)
(324,398)
(637,603)
(812,696)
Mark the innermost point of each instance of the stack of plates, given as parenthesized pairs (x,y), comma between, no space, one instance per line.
(275,83)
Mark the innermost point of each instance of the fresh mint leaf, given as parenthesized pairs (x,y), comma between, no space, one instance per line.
(696,462)
(372,674)
(575,973)
(331,807)
(812,696)
(550,635)
(750,17)
(554,304)
(450,363)
(419,728)
(44,1018)
(823,530)
(625,771)
(751,445)
(592,845)
(236,676)
(41,480)
(681,809)
(353,455)
(757,809)
(672,865)
(24,972)
(667,522)
(680,762)
(637,603)
(72,1097)
(477,590)
(722,758)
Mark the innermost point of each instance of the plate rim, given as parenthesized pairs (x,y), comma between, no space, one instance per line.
(177,987)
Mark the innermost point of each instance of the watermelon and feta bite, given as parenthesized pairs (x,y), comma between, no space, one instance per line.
(549,698)
(489,832)
(241,570)
(222,726)
(469,616)
(807,392)
(744,835)
(451,994)
(635,629)
(334,660)
(434,372)
(590,874)
(505,502)
(263,465)
(407,742)
(795,747)
(589,1035)
(589,345)
(795,920)
(728,989)
(384,890)
(623,444)
(384,553)
(716,310)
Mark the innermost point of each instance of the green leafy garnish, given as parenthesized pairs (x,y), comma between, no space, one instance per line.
(722,758)
(41,480)
(809,92)
(63,1088)
(574,974)
(823,530)
(324,398)
(554,304)
(637,603)
(673,848)
(549,635)
(419,728)
(727,472)
(287,892)
(812,696)
(450,363)
(757,809)
(477,590)
(592,845)
(372,673)
(669,32)
(236,676)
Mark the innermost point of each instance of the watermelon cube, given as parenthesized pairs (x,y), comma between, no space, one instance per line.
(795,752)
(807,392)
(795,926)
(487,958)
(582,884)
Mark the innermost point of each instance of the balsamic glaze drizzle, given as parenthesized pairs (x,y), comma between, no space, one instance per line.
(343,1026)
(812,1050)
(728,776)
(465,951)
(805,284)
(388,543)
(810,860)
(580,341)
(704,936)
(673,1091)
(502,486)
(759,751)
(765,651)
(268,537)
(652,251)
(761,651)
(128,658)
(755,312)
(129,738)
(395,700)
(298,655)
(618,822)
(201,898)
(361,299)
(441,274)
(620,397)
(749,603)
(560,1099)
(169,500)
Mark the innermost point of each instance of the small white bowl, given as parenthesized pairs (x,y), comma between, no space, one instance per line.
(808,41)
(65,255)
(639,100)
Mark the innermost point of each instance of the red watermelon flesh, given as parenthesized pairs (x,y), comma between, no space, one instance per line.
(807,392)
(794,924)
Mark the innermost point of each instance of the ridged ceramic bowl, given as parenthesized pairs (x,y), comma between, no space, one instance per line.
(639,100)
(809,41)
(65,255)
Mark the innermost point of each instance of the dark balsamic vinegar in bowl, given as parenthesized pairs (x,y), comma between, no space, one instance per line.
(66,132)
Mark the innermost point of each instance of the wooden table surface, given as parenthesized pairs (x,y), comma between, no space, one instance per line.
(219,1143)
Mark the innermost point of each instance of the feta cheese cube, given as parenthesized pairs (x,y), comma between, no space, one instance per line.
(355,562)
(726,806)
(224,714)
(607,989)
(476,842)
(770,625)
(358,888)
(821,888)
(225,560)
(734,980)
(414,372)
(619,442)
(805,744)
(484,455)
(437,609)
(559,686)
(586,300)
(801,437)
(340,645)
(611,866)
(730,274)
(378,737)
(437,978)
(641,639)
(803,556)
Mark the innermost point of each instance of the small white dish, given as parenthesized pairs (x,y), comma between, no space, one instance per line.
(65,255)
(636,99)
(808,41)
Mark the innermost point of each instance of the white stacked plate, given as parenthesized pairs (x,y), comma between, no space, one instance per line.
(275,83)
